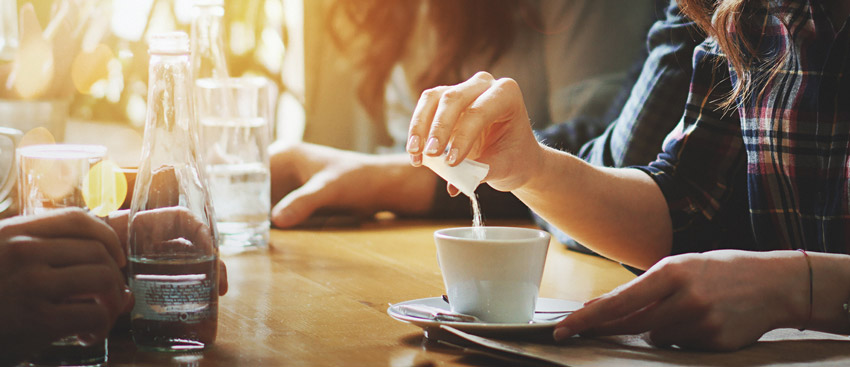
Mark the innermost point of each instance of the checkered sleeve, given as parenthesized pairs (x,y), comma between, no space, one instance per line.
(699,169)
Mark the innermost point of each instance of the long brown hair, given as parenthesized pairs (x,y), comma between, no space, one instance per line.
(379,30)
(738,27)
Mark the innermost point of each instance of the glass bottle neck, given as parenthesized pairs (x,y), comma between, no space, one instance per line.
(208,42)
(170,94)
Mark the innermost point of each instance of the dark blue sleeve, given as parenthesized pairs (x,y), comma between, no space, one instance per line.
(654,106)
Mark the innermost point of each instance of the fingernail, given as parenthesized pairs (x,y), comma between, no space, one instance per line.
(453,191)
(413,144)
(561,333)
(415,160)
(591,301)
(452,158)
(431,146)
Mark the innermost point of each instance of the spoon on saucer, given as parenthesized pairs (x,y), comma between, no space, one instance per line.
(433,313)
(559,312)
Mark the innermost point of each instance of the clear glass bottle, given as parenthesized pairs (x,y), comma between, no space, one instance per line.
(173,243)
(208,59)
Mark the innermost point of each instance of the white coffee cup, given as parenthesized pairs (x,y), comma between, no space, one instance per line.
(492,273)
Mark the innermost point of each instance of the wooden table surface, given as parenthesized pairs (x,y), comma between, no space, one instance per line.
(319,297)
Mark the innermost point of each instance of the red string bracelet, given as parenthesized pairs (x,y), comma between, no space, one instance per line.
(811,288)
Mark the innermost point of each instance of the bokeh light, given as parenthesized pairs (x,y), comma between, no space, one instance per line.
(104,188)
(90,67)
(37,136)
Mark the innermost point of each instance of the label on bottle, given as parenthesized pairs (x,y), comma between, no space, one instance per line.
(177,298)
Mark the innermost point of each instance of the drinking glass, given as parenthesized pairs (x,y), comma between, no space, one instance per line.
(52,177)
(234,115)
(9,139)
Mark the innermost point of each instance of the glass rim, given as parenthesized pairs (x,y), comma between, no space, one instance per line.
(527,234)
(78,150)
(169,43)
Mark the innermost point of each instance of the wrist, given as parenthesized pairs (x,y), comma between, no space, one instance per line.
(547,170)
(831,281)
(794,291)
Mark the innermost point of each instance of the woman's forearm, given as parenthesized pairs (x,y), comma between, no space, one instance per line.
(618,212)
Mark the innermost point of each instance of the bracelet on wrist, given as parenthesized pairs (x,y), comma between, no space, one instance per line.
(811,290)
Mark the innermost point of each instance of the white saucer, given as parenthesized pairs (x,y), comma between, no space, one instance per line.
(542,322)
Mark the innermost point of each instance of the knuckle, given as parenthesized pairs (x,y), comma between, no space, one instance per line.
(506,83)
(483,75)
(432,93)
(451,96)
(78,218)
(699,302)
(712,325)
(474,111)
(673,268)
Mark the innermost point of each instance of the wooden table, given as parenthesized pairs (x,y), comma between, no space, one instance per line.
(319,298)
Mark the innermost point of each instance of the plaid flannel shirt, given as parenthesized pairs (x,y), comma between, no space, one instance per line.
(773,173)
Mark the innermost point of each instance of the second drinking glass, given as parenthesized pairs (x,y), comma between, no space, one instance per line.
(234,115)
(54,177)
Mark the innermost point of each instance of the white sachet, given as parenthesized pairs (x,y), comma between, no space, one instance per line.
(466,176)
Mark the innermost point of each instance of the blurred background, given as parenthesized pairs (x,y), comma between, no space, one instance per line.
(262,37)
(312,50)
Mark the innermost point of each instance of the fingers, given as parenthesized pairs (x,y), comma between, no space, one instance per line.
(490,107)
(635,296)
(103,282)
(222,278)
(420,122)
(162,226)
(681,334)
(118,221)
(60,252)
(659,315)
(452,190)
(452,103)
(285,162)
(68,223)
(437,112)
(302,202)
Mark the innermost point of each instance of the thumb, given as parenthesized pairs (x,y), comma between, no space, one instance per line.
(299,204)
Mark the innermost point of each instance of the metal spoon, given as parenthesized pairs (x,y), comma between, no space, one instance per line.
(433,313)
(446,300)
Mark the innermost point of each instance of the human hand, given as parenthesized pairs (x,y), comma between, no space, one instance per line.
(719,300)
(308,177)
(482,118)
(47,263)
(156,222)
